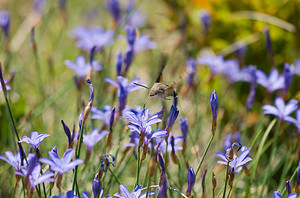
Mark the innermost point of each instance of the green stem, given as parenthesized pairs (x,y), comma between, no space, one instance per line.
(77,155)
(116,178)
(226,178)
(204,154)
(138,167)
(229,193)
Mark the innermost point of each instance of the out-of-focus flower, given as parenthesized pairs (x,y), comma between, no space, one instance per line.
(143,42)
(281,110)
(87,38)
(241,52)
(184,126)
(16,161)
(119,63)
(238,161)
(135,194)
(69,194)
(102,114)
(35,139)
(91,139)
(272,82)
(205,19)
(38,6)
(251,96)
(136,19)
(61,165)
(115,9)
(276,194)
(131,35)
(162,144)
(82,68)
(215,63)
(288,76)
(6,85)
(191,178)
(190,70)
(296,67)
(269,46)
(230,138)
(297,120)
(5,22)
(128,59)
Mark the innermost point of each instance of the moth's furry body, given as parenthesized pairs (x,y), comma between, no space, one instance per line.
(161,90)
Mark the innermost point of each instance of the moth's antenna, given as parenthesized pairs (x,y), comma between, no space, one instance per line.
(141,85)
(163,64)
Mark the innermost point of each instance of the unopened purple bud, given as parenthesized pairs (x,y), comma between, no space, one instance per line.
(203,183)
(122,98)
(112,118)
(268,41)
(131,35)
(62,4)
(128,59)
(288,187)
(163,188)
(191,178)
(119,63)
(114,8)
(184,126)
(298,174)
(173,144)
(92,54)
(5,22)
(251,96)
(241,51)
(190,70)
(96,186)
(161,162)
(214,104)
(91,90)
(288,76)
(67,132)
(172,116)
(205,19)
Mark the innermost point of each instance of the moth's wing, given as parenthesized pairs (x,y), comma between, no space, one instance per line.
(163,63)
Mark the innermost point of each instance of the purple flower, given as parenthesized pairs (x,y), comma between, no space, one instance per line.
(215,63)
(97,187)
(61,165)
(281,110)
(115,10)
(241,52)
(272,82)
(191,178)
(102,114)
(91,139)
(6,84)
(69,194)
(141,122)
(136,192)
(131,35)
(172,117)
(227,141)
(119,63)
(288,76)
(5,22)
(143,43)
(269,45)
(128,59)
(190,70)
(276,194)
(214,104)
(162,144)
(136,18)
(184,126)
(163,188)
(38,6)
(35,139)
(296,67)
(205,19)
(238,161)
(87,38)
(32,173)
(69,134)
(16,161)
(81,68)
